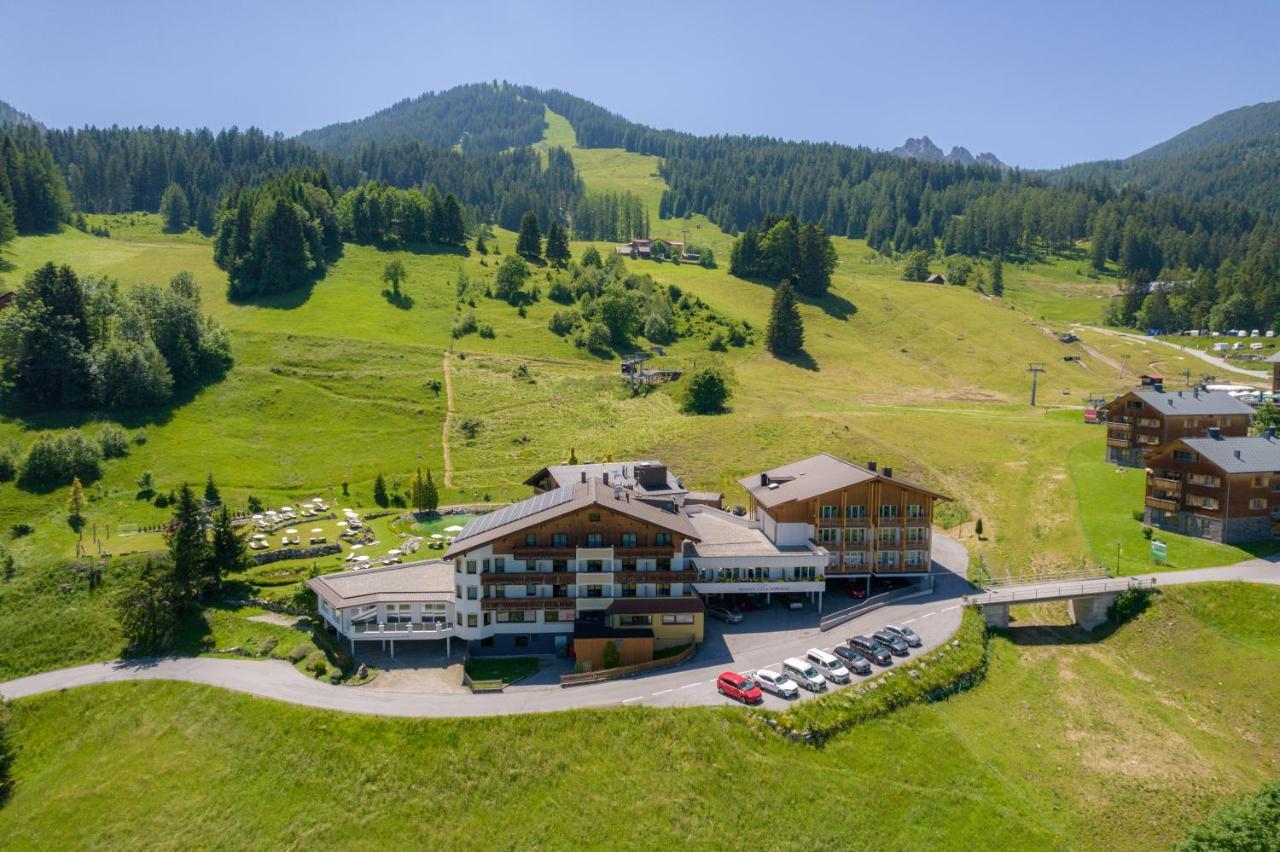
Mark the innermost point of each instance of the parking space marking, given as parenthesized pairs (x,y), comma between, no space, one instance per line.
(629,700)
(691,685)
(664,692)
(928,614)
(948,609)
(908,621)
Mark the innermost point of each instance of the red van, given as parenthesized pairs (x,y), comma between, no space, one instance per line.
(736,686)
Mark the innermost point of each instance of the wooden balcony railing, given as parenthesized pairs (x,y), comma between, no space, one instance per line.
(1122,443)
(527,578)
(1162,505)
(490,604)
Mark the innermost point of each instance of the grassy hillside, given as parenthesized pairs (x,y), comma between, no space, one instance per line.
(1070,742)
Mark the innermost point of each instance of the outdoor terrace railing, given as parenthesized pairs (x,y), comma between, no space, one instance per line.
(438,628)
(1058,591)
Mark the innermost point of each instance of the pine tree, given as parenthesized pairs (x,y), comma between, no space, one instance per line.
(188,547)
(227,554)
(416,491)
(211,495)
(430,495)
(452,229)
(785,335)
(380,491)
(997,276)
(573,456)
(481,248)
(75,501)
(175,209)
(557,244)
(529,243)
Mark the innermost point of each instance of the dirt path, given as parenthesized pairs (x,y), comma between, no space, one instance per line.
(448,422)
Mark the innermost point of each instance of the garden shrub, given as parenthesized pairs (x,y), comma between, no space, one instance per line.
(8,463)
(299,652)
(1129,604)
(56,459)
(113,441)
(1249,823)
(268,645)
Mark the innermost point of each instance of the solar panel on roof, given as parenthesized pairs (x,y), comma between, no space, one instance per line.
(516,511)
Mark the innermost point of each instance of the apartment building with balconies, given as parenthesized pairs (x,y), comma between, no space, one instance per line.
(1140,421)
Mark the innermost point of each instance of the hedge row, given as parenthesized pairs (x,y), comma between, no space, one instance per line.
(1249,823)
(958,665)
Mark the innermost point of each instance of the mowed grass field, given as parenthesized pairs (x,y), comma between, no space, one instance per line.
(1071,742)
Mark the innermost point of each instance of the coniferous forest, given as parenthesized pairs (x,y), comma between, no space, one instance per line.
(1204,215)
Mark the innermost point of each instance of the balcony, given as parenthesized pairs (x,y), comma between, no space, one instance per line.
(430,630)
(1119,426)
(1120,443)
(1162,504)
(527,578)
(491,604)
(654,576)
(1165,484)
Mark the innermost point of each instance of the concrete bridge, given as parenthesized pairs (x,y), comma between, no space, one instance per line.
(1087,599)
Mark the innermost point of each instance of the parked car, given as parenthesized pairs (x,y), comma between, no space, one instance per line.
(725,613)
(908,635)
(804,673)
(780,685)
(853,661)
(830,666)
(872,650)
(856,591)
(895,643)
(739,687)
(791,600)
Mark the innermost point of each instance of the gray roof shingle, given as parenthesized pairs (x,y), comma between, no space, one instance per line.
(1255,454)
(1193,402)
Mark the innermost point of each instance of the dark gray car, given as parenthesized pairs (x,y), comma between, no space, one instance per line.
(895,643)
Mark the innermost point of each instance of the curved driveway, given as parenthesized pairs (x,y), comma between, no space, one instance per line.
(935,617)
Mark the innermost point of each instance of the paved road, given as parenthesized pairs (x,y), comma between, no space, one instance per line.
(1197,353)
(741,648)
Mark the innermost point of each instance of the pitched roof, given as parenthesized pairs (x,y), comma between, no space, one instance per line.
(641,606)
(721,534)
(622,473)
(413,581)
(1193,402)
(555,504)
(811,477)
(1254,454)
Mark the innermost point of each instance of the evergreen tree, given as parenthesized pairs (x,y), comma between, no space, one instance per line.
(706,390)
(227,553)
(785,334)
(175,209)
(149,605)
(452,230)
(591,258)
(1266,419)
(481,248)
(430,495)
(557,244)
(997,276)
(380,491)
(188,547)
(8,229)
(211,495)
(529,243)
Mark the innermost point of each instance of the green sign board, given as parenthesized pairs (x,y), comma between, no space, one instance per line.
(1159,550)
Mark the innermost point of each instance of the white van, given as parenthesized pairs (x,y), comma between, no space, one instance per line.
(1219,347)
(829,665)
(804,673)
(1255,345)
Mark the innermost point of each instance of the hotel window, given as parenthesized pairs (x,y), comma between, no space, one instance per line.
(828,512)
(1258,503)
(856,557)
(495,591)
(1199,501)
(484,567)
(471,619)
(471,566)
(663,563)
(1184,456)
(457,566)
(472,593)
(499,564)
(628,539)
(457,616)
(594,591)
(595,540)
(530,539)
(519,616)
(531,591)
(678,618)
(457,590)
(1205,480)
(635,620)
(559,540)
(855,535)
(915,510)
(559,564)
(550,615)
(915,557)
(664,590)
(889,536)
(662,539)
(887,559)
(594,517)
(855,512)
(828,535)
(628,564)
(487,619)
(628,590)
(1260,482)
(889,510)
(1148,423)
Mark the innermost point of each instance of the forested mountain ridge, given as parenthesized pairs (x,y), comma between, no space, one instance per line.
(11,117)
(1228,128)
(476,117)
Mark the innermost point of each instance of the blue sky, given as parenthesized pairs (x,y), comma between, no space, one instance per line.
(1040,84)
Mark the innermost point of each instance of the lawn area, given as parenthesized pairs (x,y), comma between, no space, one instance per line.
(1108,497)
(1070,742)
(505,670)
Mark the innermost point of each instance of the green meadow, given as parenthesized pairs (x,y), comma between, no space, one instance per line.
(1072,741)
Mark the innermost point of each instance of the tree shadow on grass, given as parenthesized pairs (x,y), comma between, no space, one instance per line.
(401,300)
(31,419)
(800,359)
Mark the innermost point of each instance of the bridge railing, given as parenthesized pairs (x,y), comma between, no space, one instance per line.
(1057,591)
(1057,577)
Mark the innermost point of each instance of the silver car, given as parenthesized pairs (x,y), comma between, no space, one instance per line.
(729,615)
(780,685)
(908,635)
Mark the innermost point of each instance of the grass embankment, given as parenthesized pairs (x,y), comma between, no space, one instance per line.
(502,671)
(947,670)
(1068,742)
(1109,495)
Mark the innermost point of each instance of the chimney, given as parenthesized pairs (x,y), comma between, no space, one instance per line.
(871,466)
(1237,454)
(888,473)
(764,480)
(584,477)
(606,477)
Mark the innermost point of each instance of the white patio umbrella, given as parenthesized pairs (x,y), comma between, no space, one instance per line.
(286,508)
(257,517)
(356,546)
(393,553)
(436,535)
(290,532)
(453,528)
(316,531)
(342,523)
(362,559)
